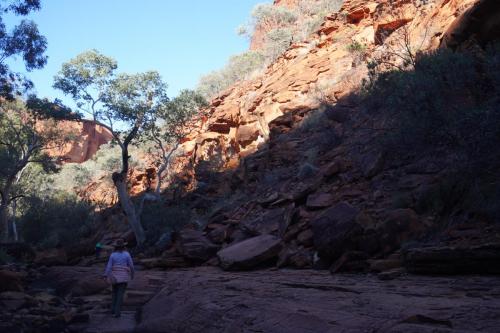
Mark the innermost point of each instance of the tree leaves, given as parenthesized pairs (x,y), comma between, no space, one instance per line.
(24,40)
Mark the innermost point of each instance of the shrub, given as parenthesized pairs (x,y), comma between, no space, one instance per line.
(239,67)
(282,26)
(448,101)
(445,109)
(5,258)
(277,41)
(319,8)
(356,47)
(56,221)
(159,219)
(267,15)
(211,84)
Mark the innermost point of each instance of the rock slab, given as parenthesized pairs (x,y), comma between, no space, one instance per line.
(250,253)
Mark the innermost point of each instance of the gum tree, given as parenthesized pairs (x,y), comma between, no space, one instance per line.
(133,101)
(23,40)
(178,118)
(27,133)
(126,104)
(86,79)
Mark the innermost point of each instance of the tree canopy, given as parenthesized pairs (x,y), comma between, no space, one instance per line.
(22,40)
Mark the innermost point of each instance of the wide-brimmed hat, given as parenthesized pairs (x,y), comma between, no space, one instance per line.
(120,243)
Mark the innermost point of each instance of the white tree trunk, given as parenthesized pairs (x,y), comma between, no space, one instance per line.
(15,235)
(129,210)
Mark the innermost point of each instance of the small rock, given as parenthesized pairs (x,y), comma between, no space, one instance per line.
(319,200)
(391,274)
(305,237)
(10,281)
(352,261)
(372,164)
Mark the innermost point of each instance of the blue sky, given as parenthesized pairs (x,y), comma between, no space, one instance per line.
(180,39)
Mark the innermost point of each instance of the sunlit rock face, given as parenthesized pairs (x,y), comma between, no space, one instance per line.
(85,139)
(243,118)
(258,38)
(322,68)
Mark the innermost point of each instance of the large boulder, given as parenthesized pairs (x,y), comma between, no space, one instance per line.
(250,253)
(195,246)
(10,281)
(482,259)
(75,281)
(399,226)
(269,222)
(372,164)
(14,300)
(247,134)
(51,257)
(336,231)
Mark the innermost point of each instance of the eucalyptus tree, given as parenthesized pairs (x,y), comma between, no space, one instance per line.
(27,133)
(126,104)
(23,40)
(176,119)
(86,78)
(133,101)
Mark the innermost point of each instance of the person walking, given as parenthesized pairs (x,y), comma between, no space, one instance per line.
(119,271)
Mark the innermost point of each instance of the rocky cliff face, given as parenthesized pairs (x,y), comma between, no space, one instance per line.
(322,68)
(87,137)
(286,167)
(258,37)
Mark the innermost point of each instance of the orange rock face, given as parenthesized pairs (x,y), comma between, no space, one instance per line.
(88,137)
(258,38)
(323,68)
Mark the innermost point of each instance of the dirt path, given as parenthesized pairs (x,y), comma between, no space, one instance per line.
(139,292)
(210,300)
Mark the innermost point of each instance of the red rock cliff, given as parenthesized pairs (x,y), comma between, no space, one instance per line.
(88,137)
(322,67)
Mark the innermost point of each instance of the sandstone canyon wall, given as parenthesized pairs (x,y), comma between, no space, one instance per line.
(318,69)
(285,163)
(86,138)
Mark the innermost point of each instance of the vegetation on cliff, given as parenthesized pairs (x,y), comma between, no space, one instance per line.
(277,27)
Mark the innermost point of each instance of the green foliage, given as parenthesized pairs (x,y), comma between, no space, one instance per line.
(159,219)
(282,26)
(23,40)
(446,109)
(134,99)
(239,67)
(177,113)
(314,13)
(25,136)
(267,15)
(445,102)
(356,47)
(319,8)
(5,258)
(53,221)
(85,78)
(313,120)
(277,41)
(99,168)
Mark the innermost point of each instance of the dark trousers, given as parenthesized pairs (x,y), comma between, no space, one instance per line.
(118,293)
